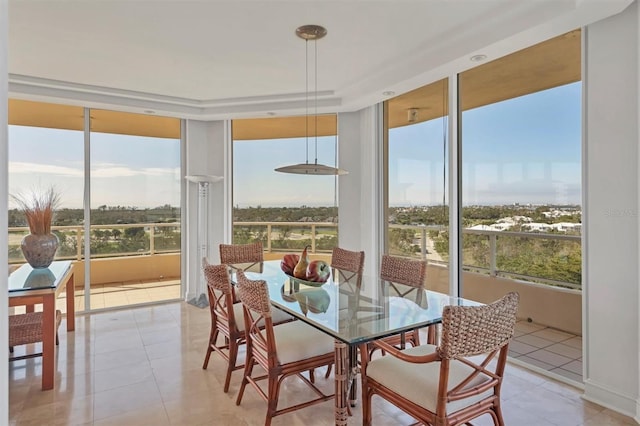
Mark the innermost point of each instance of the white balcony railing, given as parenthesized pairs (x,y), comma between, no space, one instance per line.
(154,238)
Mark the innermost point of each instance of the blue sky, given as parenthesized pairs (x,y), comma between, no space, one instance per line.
(524,150)
(126,170)
(256,183)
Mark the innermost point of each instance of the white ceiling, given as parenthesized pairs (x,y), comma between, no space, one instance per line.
(238,58)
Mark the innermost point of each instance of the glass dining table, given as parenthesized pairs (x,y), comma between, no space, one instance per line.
(353,309)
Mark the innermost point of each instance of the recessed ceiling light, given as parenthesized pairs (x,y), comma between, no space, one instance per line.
(388,93)
(478,58)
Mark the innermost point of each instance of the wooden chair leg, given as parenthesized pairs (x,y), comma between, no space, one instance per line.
(328,373)
(212,341)
(248,370)
(273,393)
(233,355)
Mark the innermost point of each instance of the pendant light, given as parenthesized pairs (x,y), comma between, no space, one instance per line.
(313,33)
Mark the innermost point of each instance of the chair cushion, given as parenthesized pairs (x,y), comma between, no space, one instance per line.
(277,316)
(418,383)
(297,340)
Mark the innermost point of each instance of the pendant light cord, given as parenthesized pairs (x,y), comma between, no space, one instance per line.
(444,147)
(306,98)
(315,90)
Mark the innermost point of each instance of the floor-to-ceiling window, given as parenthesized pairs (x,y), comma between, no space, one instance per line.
(286,212)
(135,209)
(46,152)
(521,196)
(134,227)
(418,212)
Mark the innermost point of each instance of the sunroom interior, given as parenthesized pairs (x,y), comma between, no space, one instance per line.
(595,43)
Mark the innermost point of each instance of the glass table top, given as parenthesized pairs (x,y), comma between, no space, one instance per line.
(27,278)
(356,309)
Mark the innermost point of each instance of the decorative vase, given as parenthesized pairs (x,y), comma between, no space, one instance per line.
(39,250)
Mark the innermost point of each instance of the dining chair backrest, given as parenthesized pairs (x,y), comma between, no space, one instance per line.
(257,316)
(402,270)
(347,260)
(246,254)
(220,293)
(473,330)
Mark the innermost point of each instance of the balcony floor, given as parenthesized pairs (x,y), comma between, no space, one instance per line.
(143,366)
(549,349)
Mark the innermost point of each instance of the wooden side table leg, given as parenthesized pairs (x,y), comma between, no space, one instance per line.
(48,340)
(341,376)
(71,310)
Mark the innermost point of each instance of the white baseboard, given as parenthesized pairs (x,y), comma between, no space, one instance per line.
(611,399)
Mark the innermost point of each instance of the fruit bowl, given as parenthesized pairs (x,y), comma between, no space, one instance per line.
(294,280)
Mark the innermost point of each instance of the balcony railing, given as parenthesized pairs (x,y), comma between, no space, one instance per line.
(514,255)
(485,252)
(114,240)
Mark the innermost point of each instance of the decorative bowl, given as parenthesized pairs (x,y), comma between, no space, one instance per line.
(294,280)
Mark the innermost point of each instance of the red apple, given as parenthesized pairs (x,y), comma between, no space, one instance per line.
(318,271)
(289,261)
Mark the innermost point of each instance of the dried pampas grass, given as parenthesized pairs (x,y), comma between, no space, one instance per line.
(38,208)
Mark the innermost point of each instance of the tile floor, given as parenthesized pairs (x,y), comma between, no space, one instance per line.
(143,366)
(548,349)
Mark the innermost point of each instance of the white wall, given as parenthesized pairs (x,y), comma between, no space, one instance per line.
(612,325)
(4,162)
(359,192)
(205,155)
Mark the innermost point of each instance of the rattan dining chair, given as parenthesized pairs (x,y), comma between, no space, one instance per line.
(242,256)
(282,351)
(410,272)
(25,329)
(452,383)
(227,319)
(348,263)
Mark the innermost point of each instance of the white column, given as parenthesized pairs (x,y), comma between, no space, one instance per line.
(360,192)
(610,249)
(205,154)
(4,205)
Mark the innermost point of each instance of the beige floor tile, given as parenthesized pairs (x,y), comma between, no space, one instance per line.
(144,366)
(549,357)
(152,415)
(118,358)
(126,399)
(122,376)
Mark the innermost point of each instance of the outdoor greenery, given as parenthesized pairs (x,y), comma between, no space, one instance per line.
(116,238)
(549,259)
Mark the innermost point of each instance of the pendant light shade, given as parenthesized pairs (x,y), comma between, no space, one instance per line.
(311,169)
(313,33)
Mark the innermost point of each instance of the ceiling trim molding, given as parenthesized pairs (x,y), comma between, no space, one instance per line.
(34,88)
